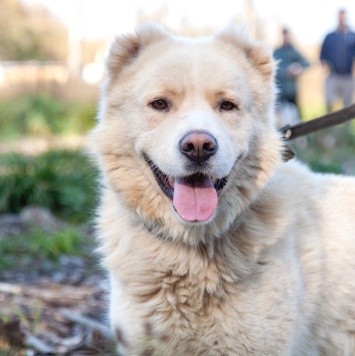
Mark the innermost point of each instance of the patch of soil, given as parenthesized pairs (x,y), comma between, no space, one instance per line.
(52,308)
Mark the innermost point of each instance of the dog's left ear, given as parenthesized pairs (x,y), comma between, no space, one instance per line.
(262,58)
(126,48)
(257,52)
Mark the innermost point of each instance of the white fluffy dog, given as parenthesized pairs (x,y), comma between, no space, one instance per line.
(215,245)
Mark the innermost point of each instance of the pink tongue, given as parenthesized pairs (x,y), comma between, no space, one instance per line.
(195,198)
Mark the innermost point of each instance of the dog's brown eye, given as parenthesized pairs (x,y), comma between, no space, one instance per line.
(160,105)
(227,106)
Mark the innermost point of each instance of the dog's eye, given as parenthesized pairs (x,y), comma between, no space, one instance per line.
(227,106)
(159,105)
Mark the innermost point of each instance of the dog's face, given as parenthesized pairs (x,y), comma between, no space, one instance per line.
(185,135)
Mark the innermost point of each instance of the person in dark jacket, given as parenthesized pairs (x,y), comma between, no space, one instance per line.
(290,66)
(338,53)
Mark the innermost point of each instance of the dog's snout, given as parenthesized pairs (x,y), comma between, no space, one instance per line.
(198,146)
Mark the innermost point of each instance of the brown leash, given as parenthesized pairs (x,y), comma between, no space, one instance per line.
(336,118)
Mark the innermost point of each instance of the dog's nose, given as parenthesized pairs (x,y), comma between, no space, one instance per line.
(198,146)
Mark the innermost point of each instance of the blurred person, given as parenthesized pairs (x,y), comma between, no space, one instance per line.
(338,53)
(290,66)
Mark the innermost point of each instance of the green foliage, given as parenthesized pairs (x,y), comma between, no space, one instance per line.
(38,244)
(56,243)
(331,150)
(62,181)
(42,115)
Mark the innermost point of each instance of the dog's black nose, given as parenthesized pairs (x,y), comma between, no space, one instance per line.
(198,146)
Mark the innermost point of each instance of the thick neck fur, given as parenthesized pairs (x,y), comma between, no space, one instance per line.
(238,249)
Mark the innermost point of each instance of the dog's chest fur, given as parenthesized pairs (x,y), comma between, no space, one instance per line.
(209,296)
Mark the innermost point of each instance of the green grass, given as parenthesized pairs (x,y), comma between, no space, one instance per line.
(62,181)
(44,116)
(331,150)
(37,245)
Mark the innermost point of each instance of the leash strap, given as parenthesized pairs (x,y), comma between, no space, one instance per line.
(336,118)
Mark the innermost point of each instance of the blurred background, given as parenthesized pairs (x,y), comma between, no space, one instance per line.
(52,55)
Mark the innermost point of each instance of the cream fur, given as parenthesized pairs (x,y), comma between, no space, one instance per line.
(272,271)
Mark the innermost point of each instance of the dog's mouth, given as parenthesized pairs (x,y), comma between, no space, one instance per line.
(194,197)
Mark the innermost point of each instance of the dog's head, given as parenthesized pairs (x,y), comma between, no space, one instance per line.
(185,134)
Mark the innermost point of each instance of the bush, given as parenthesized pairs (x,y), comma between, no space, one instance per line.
(62,181)
(42,115)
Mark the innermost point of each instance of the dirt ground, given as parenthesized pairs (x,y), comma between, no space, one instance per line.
(53,307)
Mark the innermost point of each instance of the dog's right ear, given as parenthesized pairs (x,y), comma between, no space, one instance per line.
(126,48)
(259,54)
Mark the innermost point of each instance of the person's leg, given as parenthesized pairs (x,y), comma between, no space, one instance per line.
(292,99)
(348,90)
(330,91)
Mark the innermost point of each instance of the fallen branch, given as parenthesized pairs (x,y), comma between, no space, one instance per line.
(10,288)
(87,322)
(63,295)
(39,345)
